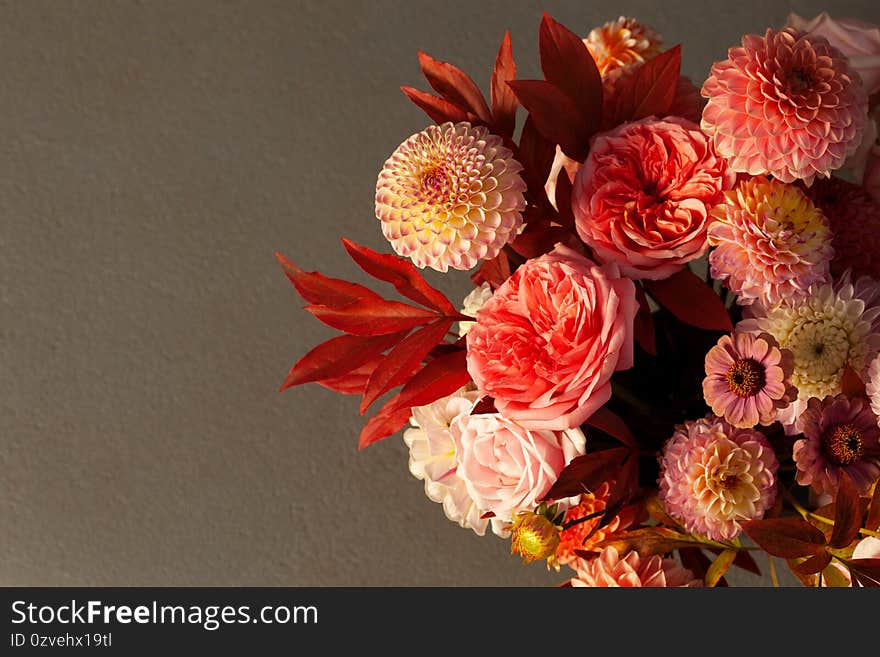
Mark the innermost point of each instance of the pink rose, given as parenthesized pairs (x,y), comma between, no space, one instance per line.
(643,196)
(507,468)
(858,41)
(545,345)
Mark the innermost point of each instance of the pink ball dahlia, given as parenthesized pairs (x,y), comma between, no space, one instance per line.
(771,242)
(786,104)
(450,196)
(840,435)
(748,378)
(643,196)
(610,570)
(621,43)
(713,476)
(547,342)
(855,225)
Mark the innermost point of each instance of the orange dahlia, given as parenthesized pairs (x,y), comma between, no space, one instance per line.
(620,43)
(450,196)
(786,104)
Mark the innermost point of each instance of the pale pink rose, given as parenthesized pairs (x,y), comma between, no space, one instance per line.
(547,342)
(858,40)
(506,467)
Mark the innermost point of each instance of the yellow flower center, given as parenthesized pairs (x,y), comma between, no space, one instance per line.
(843,444)
(745,377)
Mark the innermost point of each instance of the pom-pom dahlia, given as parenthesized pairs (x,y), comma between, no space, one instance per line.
(840,435)
(547,342)
(609,569)
(643,196)
(833,327)
(450,196)
(473,302)
(786,104)
(855,225)
(713,476)
(771,242)
(432,457)
(621,43)
(748,379)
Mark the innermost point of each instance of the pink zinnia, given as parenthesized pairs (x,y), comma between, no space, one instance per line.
(855,224)
(547,342)
(643,196)
(748,378)
(786,104)
(611,570)
(840,435)
(771,243)
(714,476)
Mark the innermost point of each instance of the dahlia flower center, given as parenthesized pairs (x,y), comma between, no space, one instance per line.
(843,444)
(435,184)
(745,377)
(821,349)
(800,80)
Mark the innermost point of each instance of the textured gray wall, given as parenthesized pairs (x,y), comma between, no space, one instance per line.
(154,155)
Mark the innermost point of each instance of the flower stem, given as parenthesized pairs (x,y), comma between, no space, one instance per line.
(773,577)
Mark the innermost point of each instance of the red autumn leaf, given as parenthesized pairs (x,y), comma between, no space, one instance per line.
(337,357)
(744,560)
(865,571)
(847,513)
(539,238)
(719,566)
(536,154)
(503,100)
(643,325)
(648,541)
(314,287)
(873,521)
(569,66)
(401,361)
(788,538)
(813,565)
(851,384)
(486,406)
(587,473)
(695,560)
(611,423)
(355,381)
(437,109)
(402,274)
(390,419)
(373,316)
(494,271)
(650,89)
(455,85)
(439,378)
(691,300)
(488,514)
(563,200)
(556,116)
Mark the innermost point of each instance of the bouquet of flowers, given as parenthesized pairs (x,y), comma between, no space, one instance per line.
(673,340)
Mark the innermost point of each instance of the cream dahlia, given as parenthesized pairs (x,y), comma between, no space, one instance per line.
(432,457)
(872,385)
(786,104)
(833,327)
(748,379)
(855,225)
(472,303)
(621,43)
(840,435)
(771,242)
(610,570)
(713,476)
(643,196)
(450,196)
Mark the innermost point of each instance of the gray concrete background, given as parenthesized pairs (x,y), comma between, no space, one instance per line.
(154,155)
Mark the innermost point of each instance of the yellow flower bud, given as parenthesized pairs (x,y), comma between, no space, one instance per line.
(534,537)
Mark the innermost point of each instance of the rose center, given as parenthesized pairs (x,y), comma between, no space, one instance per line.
(745,377)
(843,444)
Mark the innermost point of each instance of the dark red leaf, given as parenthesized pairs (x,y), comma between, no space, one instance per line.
(437,109)
(587,473)
(650,89)
(314,287)
(488,514)
(648,541)
(569,66)
(439,378)
(611,423)
(851,384)
(401,361)
(555,115)
(865,571)
(873,521)
(788,538)
(643,326)
(486,406)
(536,154)
(503,100)
(338,357)
(389,420)
(373,316)
(744,560)
(494,271)
(691,300)
(847,513)
(695,560)
(563,199)
(402,274)
(719,566)
(455,85)
(813,565)
(539,238)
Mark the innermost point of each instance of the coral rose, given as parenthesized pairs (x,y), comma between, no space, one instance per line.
(546,343)
(508,468)
(643,196)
